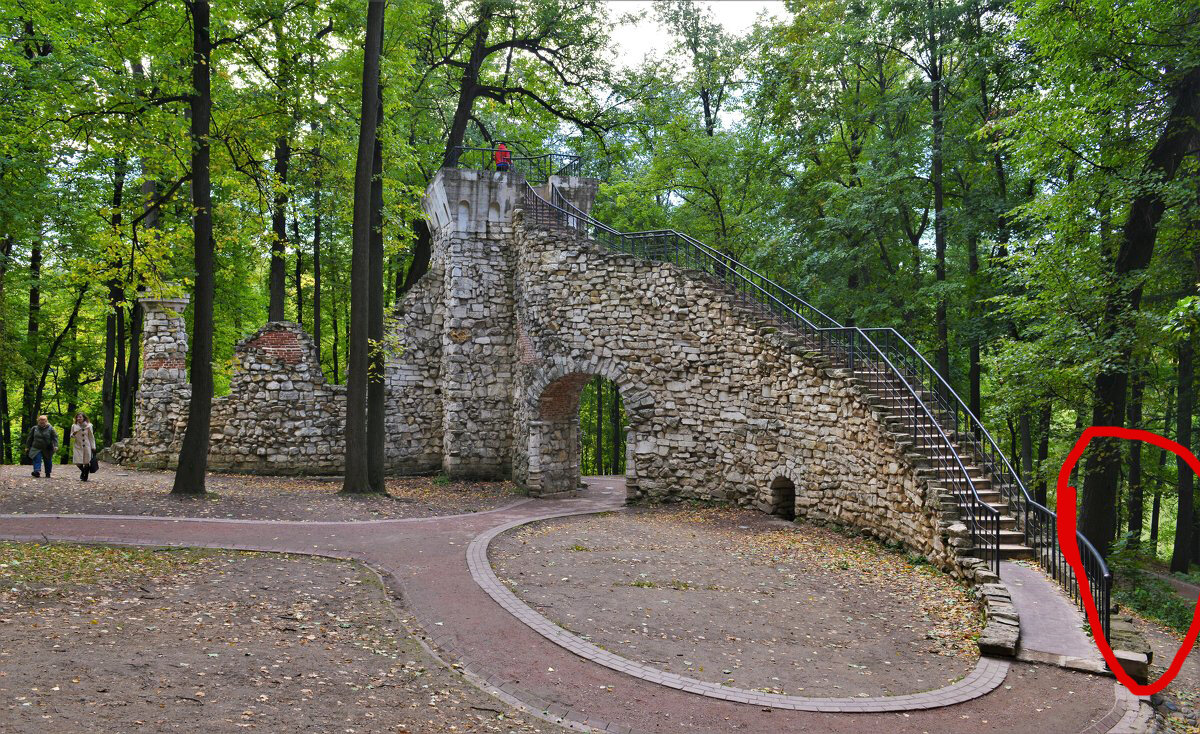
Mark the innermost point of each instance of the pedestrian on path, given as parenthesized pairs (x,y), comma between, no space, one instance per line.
(43,443)
(83,445)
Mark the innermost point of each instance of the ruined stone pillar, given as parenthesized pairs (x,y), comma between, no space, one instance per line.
(164,391)
(470,216)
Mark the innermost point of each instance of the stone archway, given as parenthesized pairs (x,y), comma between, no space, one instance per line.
(549,422)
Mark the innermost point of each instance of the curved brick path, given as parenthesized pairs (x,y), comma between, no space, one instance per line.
(425,561)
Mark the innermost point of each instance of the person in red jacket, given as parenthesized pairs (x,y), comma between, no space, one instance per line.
(503,158)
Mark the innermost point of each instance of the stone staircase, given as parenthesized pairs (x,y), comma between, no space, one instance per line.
(899,407)
(893,399)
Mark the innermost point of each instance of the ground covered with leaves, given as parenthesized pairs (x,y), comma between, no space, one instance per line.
(103,640)
(119,491)
(739,598)
(1178,705)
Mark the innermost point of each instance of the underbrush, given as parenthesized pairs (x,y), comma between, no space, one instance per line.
(1149,596)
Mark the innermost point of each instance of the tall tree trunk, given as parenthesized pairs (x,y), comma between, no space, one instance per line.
(1043,451)
(468,91)
(1097,519)
(193,454)
(74,368)
(29,385)
(1181,553)
(356,479)
(1168,421)
(129,378)
(6,455)
(279,238)
(974,369)
(599,425)
(615,417)
(116,313)
(299,273)
(316,258)
(376,402)
(422,251)
(1184,475)
(1136,499)
(1025,430)
(939,193)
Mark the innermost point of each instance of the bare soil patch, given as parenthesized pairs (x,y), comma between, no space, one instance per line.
(120,491)
(738,598)
(106,640)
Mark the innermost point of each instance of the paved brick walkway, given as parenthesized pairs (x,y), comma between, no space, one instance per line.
(425,562)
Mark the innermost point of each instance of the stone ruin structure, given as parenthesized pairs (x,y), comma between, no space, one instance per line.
(499,338)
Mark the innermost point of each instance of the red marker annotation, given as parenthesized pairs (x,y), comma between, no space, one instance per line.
(1065,508)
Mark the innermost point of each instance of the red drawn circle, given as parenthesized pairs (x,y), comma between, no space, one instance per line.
(1065,507)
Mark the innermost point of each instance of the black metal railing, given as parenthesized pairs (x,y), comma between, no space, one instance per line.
(920,396)
(1038,522)
(536,168)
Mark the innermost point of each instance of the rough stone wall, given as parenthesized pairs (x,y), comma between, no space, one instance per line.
(163,390)
(280,416)
(470,214)
(413,379)
(718,406)
(500,337)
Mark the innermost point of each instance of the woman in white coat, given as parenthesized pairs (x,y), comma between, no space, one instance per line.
(83,445)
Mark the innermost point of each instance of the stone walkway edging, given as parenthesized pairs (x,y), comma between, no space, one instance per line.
(988,674)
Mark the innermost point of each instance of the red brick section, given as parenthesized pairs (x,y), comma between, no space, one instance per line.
(281,344)
(168,363)
(425,564)
(560,399)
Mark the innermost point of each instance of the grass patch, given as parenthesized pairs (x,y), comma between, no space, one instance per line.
(644,584)
(441,480)
(578,547)
(40,564)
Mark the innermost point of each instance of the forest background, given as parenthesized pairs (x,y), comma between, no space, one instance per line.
(1010,183)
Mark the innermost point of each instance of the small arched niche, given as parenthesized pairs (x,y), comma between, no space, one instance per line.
(464,214)
(783,498)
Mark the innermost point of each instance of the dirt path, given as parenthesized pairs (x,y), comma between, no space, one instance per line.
(741,599)
(119,491)
(219,642)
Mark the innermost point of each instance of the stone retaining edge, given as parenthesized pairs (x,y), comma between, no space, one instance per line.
(988,674)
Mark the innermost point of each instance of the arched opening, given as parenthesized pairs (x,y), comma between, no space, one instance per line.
(601,429)
(783,498)
(578,429)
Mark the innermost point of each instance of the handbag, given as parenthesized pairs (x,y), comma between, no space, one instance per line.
(94,465)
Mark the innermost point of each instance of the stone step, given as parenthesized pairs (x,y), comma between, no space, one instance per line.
(1015,552)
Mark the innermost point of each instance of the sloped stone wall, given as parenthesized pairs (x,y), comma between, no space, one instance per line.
(718,406)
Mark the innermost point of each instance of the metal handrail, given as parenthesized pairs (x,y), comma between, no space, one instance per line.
(720,264)
(536,168)
(1039,523)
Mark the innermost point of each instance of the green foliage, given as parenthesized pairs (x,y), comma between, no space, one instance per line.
(1148,595)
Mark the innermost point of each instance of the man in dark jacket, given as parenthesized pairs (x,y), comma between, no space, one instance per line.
(43,443)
